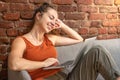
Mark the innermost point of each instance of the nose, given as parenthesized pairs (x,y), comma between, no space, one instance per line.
(53,22)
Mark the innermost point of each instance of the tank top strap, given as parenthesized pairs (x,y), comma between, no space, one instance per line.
(47,40)
(28,43)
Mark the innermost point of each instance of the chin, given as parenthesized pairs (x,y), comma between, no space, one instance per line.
(47,31)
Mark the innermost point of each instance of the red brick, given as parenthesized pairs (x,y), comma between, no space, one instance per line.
(112,30)
(9,47)
(3,6)
(5,40)
(102,30)
(6,24)
(88,9)
(108,9)
(104,2)
(24,23)
(2,32)
(88,2)
(61,15)
(111,23)
(12,32)
(11,16)
(85,23)
(118,30)
(2,57)
(67,8)
(5,65)
(102,37)
(93,31)
(16,1)
(23,31)
(62,1)
(3,74)
(73,24)
(112,36)
(96,16)
(1,16)
(111,16)
(83,31)
(26,15)
(21,7)
(11,40)
(3,50)
(95,24)
(39,1)
(75,16)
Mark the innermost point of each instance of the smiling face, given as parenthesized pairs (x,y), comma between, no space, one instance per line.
(48,20)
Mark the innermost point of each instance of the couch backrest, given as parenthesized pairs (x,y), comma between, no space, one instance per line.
(70,52)
(66,53)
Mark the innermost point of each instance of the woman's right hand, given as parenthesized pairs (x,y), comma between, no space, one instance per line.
(50,61)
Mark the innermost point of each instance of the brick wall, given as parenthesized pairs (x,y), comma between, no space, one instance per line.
(88,17)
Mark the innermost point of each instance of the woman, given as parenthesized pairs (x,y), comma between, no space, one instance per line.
(35,50)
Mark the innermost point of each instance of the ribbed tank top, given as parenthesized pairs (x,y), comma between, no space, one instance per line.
(40,53)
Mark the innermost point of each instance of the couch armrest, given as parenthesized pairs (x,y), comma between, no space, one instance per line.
(18,75)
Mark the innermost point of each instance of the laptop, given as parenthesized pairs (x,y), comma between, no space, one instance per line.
(72,63)
(60,66)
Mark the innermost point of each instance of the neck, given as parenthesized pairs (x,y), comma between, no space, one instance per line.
(37,33)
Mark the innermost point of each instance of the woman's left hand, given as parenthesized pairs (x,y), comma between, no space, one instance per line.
(57,24)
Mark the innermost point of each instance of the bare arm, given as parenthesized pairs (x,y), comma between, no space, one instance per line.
(70,32)
(73,36)
(17,62)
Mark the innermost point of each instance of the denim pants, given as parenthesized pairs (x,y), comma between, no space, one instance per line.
(97,60)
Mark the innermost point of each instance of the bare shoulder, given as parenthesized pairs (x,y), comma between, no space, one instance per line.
(17,48)
(18,42)
(52,38)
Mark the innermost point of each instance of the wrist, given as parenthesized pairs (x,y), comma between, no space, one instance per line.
(63,26)
(43,64)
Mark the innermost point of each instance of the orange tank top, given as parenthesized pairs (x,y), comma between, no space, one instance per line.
(40,53)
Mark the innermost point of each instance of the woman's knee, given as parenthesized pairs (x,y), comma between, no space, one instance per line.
(100,50)
(99,47)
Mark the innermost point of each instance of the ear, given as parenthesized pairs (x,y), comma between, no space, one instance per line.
(38,16)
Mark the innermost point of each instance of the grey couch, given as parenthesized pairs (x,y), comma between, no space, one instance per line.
(70,52)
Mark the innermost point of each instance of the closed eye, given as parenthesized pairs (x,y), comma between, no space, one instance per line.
(51,17)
